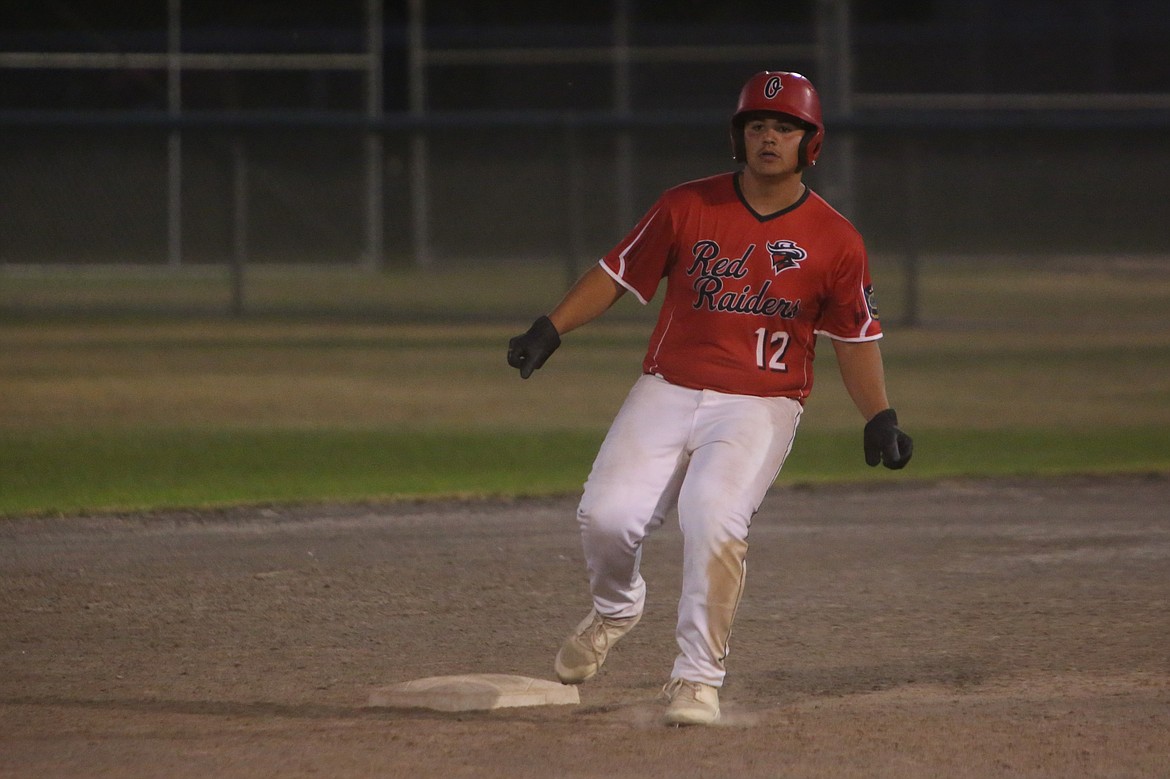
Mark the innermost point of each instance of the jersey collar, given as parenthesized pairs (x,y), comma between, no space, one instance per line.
(766,217)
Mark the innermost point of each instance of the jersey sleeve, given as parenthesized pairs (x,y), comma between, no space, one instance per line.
(849,313)
(641,260)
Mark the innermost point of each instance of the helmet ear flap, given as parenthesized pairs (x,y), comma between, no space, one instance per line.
(738,151)
(810,147)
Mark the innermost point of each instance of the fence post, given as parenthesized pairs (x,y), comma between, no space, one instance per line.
(375,151)
(575,200)
(912,177)
(419,173)
(174,136)
(239,224)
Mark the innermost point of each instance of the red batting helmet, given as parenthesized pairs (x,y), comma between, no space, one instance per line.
(777,91)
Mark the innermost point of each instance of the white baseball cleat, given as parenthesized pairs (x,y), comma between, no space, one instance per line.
(584,651)
(690,703)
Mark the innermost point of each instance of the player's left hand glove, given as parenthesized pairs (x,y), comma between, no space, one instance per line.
(885,442)
(529,351)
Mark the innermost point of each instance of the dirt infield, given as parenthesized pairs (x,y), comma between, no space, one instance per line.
(960,629)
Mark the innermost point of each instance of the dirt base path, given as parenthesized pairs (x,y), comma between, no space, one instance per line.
(961,629)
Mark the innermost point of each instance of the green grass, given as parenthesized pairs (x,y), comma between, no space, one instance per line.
(1014,371)
(67,473)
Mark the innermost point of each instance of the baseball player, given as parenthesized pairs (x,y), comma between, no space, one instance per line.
(756,267)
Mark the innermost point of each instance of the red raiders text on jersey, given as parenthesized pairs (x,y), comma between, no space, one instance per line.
(746,295)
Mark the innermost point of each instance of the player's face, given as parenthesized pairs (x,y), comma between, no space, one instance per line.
(772,144)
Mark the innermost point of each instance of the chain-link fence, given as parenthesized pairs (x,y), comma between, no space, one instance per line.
(544,144)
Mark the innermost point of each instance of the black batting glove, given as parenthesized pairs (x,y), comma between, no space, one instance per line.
(529,351)
(885,442)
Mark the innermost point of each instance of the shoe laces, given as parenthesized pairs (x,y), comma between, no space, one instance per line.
(596,636)
(681,688)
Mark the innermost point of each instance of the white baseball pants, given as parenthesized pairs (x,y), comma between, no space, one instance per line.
(713,456)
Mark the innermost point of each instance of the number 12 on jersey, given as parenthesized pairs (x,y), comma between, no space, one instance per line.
(778,344)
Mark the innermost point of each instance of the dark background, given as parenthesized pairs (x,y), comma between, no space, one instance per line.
(909,46)
(91,186)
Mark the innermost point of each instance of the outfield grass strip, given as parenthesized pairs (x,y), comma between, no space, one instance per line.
(71,473)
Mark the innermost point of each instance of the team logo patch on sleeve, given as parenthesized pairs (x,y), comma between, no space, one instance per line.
(873,312)
(785,255)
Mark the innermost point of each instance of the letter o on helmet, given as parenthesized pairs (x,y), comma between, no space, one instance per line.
(780,92)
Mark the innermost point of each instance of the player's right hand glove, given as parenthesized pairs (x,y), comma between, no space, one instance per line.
(885,442)
(529,351)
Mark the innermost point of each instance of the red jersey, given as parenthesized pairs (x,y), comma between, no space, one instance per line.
(746,295)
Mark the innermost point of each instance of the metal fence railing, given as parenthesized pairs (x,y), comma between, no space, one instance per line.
(203,172)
